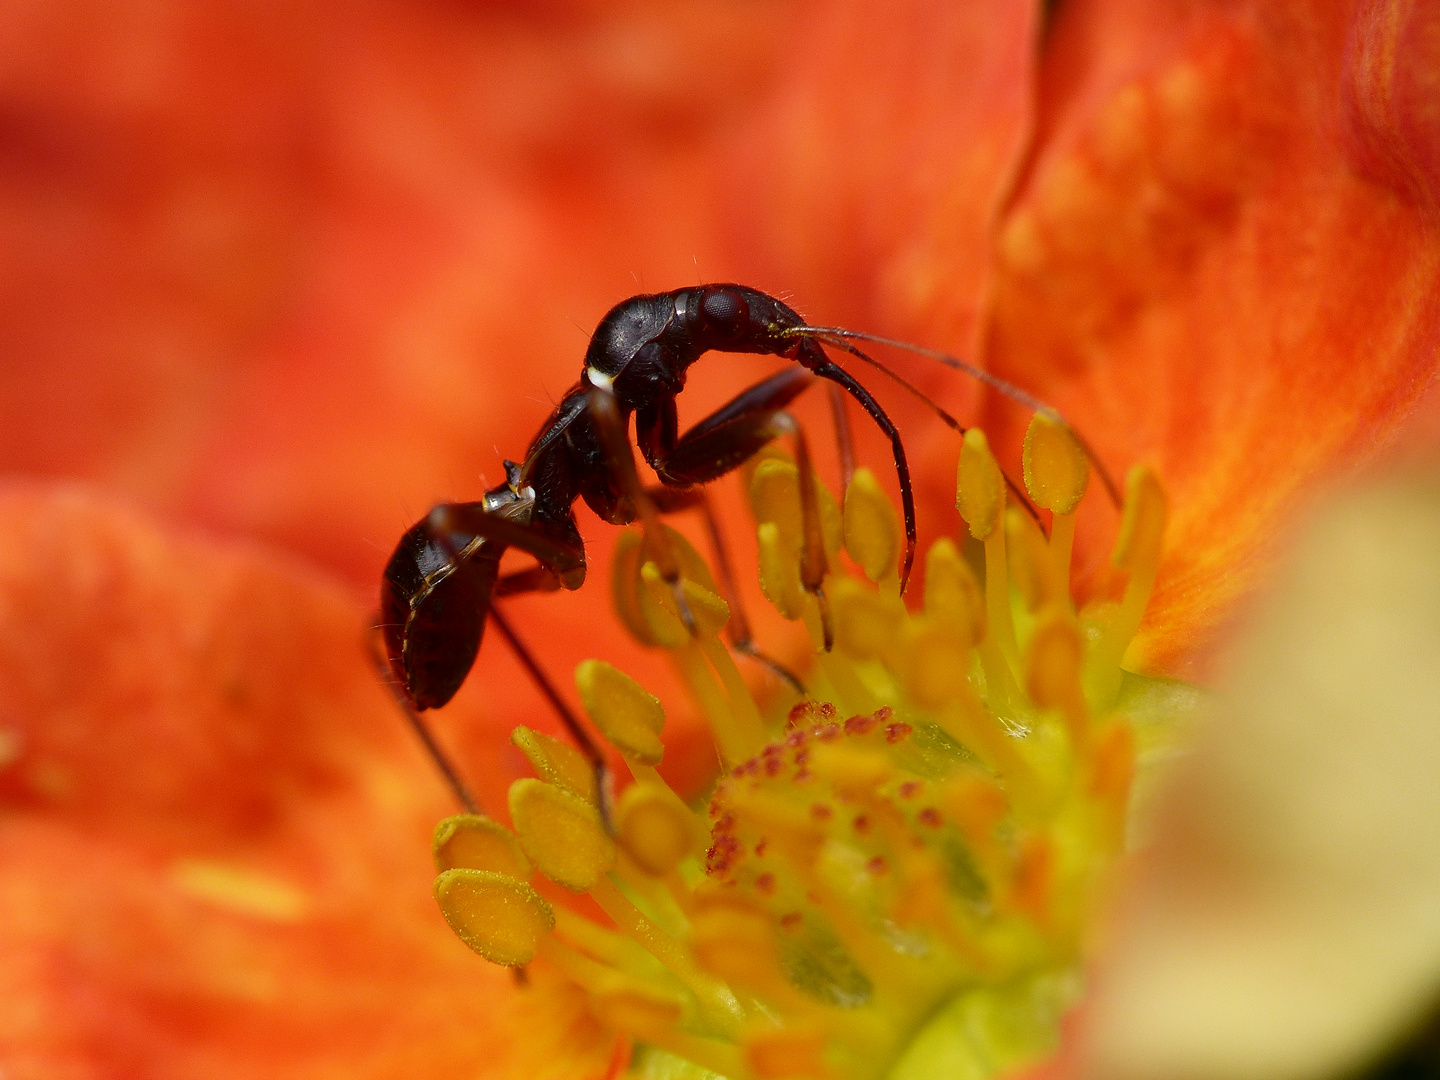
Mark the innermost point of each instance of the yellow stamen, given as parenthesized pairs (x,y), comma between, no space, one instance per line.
(557,762)
(867,623)
(654,829)
(871,530)
(478,843)
(1032,562)
(1057,473)
(748,733)
(775,496)
(779,572)
(980,486)
(709,611)
(502,919)
(714,998)
(897,873)
(561,834)
(953,598)
(980,498)
(1056,469)
(1052,672)
(641,612)
(629,717)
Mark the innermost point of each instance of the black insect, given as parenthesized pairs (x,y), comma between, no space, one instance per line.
(439,586)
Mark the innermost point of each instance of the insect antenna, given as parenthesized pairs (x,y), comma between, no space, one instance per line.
(945,417)
(837,336)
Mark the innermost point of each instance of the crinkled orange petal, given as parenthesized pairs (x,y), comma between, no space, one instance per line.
(214,834)
(1222,260)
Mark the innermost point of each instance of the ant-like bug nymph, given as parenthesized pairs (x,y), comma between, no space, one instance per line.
(440,585)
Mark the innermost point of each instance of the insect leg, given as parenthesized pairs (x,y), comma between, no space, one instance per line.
(709,450)
(615,438)
(567,716)
(563,556)
(836,374)
(536,579)
(422,730)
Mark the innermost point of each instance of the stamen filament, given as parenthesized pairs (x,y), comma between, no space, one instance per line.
(719,1005)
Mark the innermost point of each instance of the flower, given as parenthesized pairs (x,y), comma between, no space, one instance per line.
(249,264)
(900,883)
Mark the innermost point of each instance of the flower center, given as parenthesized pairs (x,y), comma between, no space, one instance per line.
(895,878)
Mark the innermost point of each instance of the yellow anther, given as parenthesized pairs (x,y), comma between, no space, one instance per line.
(472,842)
(627,715)
(937,665)
(655,829)
(502,919)
(556,761)
(775,497)
(980,486)
(1056,469)
(706,608)
(633,602)
(561,833)
(872,532)
(1143,526)
(787,1054)
(1032,563)
(641,612)
(953,598)
(779,571)
(867,624)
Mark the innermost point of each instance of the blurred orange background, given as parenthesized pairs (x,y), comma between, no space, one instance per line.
(295,273)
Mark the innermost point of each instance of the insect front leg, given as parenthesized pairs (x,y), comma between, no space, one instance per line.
(611,427)
(730,436)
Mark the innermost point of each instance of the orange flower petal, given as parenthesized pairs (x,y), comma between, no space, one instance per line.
(214,848)
(1223,261)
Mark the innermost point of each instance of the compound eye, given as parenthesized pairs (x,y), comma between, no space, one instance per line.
(726,311)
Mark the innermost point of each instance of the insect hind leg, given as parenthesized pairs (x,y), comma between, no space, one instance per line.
(583,741)
(436,753)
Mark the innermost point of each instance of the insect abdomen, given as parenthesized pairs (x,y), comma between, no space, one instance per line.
(433,616)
